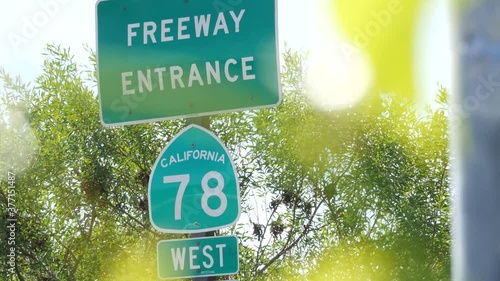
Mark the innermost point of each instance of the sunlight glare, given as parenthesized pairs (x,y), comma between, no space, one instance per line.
(17,143)
(339,74)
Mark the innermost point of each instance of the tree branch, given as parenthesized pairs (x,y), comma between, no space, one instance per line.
(85,246)
(18,273)
(294,218)
(33,256)
(287,248)
(130,216)
(373,225)
(259,250)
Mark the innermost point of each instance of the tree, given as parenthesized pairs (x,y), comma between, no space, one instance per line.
(350,195)
(362,194)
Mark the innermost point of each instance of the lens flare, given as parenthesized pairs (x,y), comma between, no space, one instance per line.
(339,75)
(339,72)
(17,143)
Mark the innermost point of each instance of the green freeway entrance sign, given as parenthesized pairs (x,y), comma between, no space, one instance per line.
(193,186)
(160,59)
(197,257)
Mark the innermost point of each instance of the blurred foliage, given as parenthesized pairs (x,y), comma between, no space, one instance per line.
(363,193)
(360,194)
(384,29)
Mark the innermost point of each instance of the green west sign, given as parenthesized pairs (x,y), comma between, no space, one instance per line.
(162,59)
(193,186)
(197,257)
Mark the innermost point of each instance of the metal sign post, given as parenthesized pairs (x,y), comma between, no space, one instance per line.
(159,60)
(476,144)
(193,189)
(205,123)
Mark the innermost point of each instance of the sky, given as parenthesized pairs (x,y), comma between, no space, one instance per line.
(34,23)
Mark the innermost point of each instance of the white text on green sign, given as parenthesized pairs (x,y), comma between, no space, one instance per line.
(165,59)
(193,185)
(196,257)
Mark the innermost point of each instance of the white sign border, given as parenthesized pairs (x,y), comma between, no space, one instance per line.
(188,231)
(110,125)
(198,238)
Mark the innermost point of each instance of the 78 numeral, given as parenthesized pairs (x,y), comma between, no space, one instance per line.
(207,193)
